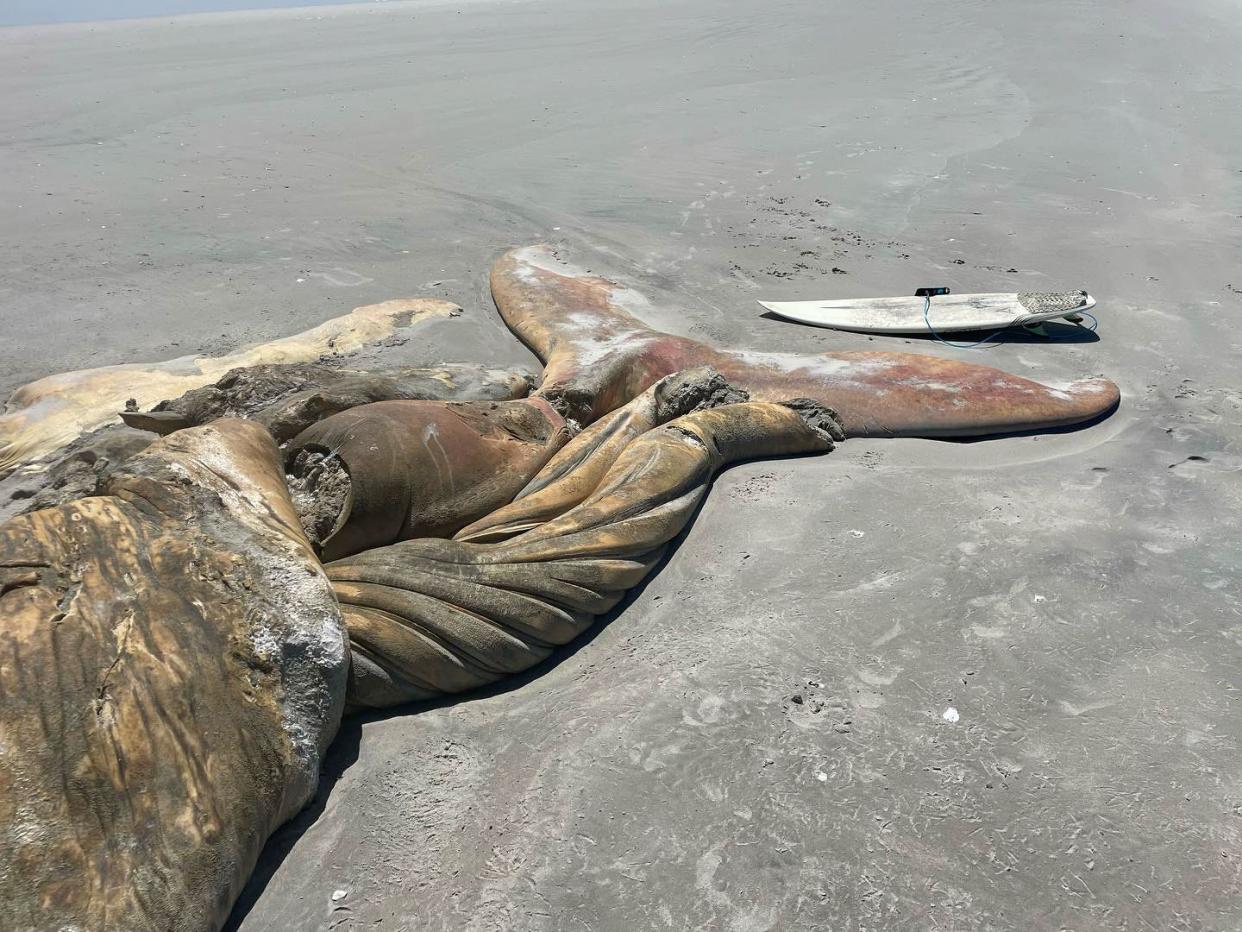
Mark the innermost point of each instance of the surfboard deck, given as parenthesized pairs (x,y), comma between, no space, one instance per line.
(947,313)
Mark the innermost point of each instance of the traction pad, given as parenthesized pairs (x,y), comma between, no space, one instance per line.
(1042,302)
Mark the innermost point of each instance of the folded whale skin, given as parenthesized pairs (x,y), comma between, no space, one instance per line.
(428,617)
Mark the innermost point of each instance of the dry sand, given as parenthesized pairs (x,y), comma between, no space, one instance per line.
(758,740)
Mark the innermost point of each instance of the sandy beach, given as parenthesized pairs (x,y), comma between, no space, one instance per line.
(907,685)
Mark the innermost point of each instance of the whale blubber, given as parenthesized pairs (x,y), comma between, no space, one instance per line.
(319,484)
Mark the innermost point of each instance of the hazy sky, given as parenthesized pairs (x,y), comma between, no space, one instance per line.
(25,12)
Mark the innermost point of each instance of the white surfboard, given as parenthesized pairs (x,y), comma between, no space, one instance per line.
(946,313)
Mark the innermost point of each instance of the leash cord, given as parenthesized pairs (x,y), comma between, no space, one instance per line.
(932,330)
(988,339)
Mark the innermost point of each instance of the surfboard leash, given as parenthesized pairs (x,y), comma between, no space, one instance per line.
(1095,322)
(928,293)
(932,330)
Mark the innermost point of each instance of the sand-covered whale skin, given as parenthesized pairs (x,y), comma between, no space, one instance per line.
(287,398)
(174,669)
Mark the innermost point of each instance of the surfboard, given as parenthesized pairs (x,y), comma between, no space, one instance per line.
(946,313)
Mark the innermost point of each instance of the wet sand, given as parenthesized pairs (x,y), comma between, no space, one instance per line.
(759,739)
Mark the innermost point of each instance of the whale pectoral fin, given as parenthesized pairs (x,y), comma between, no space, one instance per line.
(910,395)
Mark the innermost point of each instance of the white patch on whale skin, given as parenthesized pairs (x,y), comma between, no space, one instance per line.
(853,374)
(931,385)
(592,344)
(530,260)
(819,366)
(590,352)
